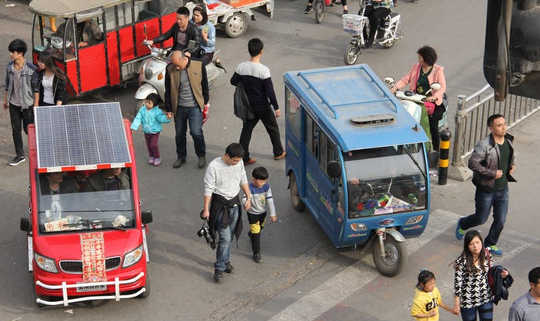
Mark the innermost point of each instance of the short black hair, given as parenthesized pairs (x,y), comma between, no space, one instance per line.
(424,277)
(428,54)
(534,275)
(18,45)
(234,150)
(255,46)
(492,118)
(183,11)
(259,173)
(154,98)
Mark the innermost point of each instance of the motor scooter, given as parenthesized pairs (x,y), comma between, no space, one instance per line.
(358,25)
(152,73)
(414,102)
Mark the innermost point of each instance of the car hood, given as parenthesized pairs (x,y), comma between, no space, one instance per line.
(68,246)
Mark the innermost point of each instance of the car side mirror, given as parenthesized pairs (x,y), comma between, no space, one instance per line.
(25,224)
(146,217)
(333,169)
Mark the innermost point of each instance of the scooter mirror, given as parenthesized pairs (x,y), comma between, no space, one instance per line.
(389,81)
(435,86)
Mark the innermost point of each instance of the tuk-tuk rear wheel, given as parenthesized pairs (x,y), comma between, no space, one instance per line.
(296,201)
(395,256)
(236,25)
(320,10)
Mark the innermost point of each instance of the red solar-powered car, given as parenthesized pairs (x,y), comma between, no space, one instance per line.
(86,231)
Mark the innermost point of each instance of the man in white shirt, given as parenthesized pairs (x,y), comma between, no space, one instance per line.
(224,178)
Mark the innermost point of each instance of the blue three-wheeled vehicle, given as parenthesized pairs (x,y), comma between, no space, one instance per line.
(357,160)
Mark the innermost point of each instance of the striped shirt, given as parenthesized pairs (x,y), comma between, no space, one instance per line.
(261,200)
(255,77)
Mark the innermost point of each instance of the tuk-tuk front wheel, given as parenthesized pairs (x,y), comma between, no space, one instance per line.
(296,201)
(394,258)
(320,10)
(351,54)
(236,25)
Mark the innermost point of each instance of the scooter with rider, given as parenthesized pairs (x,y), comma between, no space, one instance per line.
(374,23)
(186,37)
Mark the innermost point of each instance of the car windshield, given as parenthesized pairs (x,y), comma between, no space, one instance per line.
(85,201)
(386,180)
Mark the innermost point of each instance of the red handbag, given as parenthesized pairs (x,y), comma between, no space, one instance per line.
(430,107)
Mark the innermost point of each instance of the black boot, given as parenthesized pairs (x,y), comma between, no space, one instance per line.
(256,247)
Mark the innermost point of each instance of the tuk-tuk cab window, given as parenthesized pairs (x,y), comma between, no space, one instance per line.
(386,180)
(85,200)
(293,113)
(144,10)
(125,14)
(110,19)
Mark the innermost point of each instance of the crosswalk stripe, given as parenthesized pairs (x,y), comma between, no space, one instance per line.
(351,279)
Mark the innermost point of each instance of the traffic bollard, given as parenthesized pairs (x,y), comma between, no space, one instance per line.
(444,152)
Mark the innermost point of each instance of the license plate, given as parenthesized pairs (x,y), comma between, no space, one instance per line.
(91,288)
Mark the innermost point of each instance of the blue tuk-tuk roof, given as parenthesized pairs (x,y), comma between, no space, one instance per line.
(335,96)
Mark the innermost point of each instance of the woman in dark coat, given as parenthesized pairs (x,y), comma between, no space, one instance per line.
(52,81)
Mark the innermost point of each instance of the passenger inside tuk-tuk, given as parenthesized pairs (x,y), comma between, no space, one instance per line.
(57,183)
(108,180)
(104,200)
(89,33)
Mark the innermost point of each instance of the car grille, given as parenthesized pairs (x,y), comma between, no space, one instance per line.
(75,267)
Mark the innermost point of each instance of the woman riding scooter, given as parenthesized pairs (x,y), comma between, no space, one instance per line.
(420,77)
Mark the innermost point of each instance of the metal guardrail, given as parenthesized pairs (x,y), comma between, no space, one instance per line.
(472,114)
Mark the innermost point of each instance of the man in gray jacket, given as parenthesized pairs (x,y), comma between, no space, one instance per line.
(492,162)
(22,94)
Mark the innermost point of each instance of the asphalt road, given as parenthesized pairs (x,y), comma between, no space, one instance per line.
(303,277)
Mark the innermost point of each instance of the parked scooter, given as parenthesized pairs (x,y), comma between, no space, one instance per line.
(358,25)
(152,73)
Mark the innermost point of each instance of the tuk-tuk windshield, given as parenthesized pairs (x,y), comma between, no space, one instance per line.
(386,180)
(85,201)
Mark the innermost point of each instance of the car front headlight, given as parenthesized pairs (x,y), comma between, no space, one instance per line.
(133,257)
(45,263)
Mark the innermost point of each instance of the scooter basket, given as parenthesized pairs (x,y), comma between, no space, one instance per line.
(353,23)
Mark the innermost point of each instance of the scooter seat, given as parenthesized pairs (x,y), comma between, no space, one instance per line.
(394,14)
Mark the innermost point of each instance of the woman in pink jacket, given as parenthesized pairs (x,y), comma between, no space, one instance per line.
(420,77)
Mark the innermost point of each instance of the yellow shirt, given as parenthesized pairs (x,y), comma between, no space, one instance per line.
(425,302)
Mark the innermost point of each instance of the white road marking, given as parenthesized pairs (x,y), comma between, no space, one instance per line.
(348,281)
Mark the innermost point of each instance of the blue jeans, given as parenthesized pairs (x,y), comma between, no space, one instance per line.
(223,252)
(485,311)
(483,203)
(194,116)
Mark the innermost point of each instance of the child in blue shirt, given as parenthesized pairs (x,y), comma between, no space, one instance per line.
(261,203)
(151,117)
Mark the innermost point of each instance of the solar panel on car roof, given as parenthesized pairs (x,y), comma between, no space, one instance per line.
(85,134)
